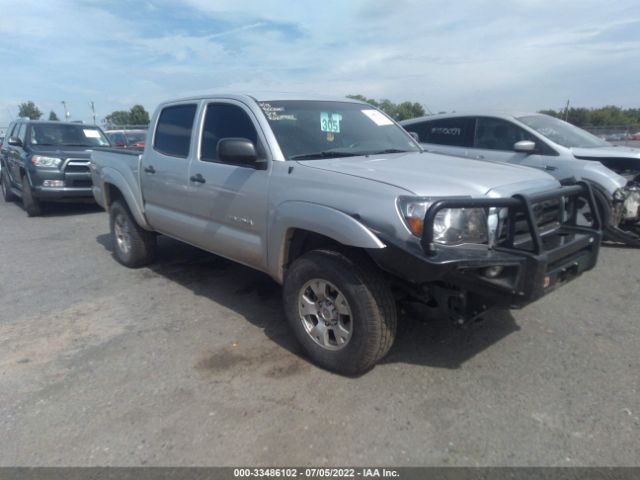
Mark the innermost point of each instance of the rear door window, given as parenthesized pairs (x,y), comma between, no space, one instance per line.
(455,132)
(173,133)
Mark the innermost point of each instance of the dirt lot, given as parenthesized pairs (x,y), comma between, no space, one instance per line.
(189,362)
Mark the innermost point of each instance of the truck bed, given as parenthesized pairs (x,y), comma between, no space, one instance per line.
(107,164)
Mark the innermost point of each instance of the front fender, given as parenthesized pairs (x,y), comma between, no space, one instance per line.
(113,177)
(315,218)
(605,178)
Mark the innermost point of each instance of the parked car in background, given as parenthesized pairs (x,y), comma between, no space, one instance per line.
(127,138)
(47,161)
(339,204)
(549,144)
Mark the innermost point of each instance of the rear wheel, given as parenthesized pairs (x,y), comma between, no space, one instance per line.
(7,194)
(30,203)
(340,309)
(133,246)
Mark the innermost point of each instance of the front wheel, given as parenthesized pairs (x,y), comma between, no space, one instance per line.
(7,194)
(133,245)
(612,233)
(29,202)
(341,310)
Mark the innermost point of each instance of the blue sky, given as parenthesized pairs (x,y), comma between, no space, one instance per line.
(517,54)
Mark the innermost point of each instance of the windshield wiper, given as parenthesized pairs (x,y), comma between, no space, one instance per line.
(388,150)
(325,154)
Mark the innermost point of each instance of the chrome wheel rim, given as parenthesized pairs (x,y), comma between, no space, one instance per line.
(325,314)
(121,230)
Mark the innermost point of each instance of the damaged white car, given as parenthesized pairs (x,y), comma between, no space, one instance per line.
(559,148)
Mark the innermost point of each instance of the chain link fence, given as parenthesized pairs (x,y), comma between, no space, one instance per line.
(617,134)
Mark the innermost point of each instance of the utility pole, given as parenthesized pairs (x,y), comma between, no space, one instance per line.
(66,113)
(566,112)
(93,111)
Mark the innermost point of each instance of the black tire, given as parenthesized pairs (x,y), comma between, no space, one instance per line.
(7,194)
(133,246)
(31,204)
(369,298)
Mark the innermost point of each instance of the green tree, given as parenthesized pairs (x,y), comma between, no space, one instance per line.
(407,110)
(53,117)
(118,118)
(401,111)
(122,118)
(138,115)
(29,110)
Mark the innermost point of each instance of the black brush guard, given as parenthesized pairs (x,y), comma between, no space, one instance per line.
(457,276)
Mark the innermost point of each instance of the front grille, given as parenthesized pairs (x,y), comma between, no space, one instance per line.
(77,166)
(546,214)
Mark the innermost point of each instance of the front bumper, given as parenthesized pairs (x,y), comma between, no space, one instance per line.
(528,270)
(74,173)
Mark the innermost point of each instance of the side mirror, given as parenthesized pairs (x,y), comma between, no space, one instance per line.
(415,136)
(525,146)
(239,151)
(14,141)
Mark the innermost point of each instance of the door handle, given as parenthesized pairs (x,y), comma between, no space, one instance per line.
(479,157)
(197,178)
(150,169)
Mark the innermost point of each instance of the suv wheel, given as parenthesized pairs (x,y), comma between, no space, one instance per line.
(340,309)
(29,202)
(7,194)
(133,246)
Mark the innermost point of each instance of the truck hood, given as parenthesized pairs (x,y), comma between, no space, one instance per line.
(62,152)
(606,152)
(433,175)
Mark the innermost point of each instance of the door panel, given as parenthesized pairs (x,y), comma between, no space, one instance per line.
(229,207)
(165,168)
(229,211)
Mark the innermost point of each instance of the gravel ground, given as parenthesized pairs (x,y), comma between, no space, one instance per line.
(189,362)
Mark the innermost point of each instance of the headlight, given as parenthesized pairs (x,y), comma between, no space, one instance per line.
(452,226)
(50,162)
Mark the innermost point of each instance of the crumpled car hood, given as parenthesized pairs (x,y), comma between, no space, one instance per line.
(606,152)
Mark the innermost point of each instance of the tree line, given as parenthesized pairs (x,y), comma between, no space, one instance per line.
(137,115)
(607,116)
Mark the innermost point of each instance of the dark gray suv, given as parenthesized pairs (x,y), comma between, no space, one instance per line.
(47,161)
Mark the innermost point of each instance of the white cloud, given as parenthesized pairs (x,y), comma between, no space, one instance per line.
(521,54)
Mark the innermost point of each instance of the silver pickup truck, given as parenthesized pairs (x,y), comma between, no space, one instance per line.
(339,204)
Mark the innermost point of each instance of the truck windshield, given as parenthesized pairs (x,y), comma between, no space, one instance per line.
(562,133)
(308,130)
(52,134)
